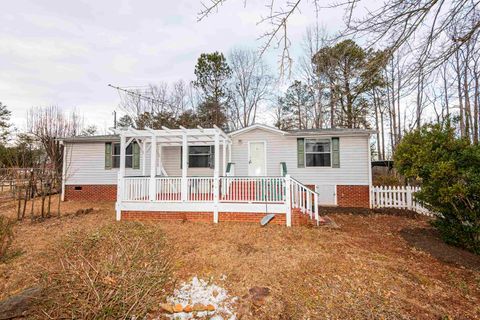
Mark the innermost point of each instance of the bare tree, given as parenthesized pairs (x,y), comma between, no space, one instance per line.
(50,123)
(315,39)
(251,85)
(419,25)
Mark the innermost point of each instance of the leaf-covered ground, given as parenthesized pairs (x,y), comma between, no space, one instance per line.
(372,266)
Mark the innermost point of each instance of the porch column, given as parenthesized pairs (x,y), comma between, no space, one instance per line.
(224,157)
(121,176)
(216,179)
(153,167)
(184,166)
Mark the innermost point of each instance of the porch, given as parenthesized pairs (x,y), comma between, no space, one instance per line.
(218,194)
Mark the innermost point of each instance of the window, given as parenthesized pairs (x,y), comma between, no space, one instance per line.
(116,156)
(200,156)
(317,153)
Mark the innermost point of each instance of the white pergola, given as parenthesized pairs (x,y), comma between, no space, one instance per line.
(155,139)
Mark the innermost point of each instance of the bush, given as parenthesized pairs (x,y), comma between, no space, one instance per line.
(6,236)
(449,169)
(118,272)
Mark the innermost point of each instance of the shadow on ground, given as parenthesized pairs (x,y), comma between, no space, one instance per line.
(429,241)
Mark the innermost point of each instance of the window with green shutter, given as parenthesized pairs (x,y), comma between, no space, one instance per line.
(300,152)
(112,155)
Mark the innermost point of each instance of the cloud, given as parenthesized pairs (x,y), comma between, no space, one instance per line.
(34,48)
(123,63)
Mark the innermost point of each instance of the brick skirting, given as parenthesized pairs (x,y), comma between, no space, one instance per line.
(353,196)
(91,192)
(253,217)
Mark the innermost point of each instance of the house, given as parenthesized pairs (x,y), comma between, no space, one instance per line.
(239,176)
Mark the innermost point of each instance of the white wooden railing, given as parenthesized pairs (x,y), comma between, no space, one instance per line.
(397,197)
(252,189)
(303,198)
(136,189)
(284,192)
(168,189)
(200,189)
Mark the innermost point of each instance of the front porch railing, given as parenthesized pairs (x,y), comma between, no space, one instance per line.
(200,189)
(168,189)
(252,189)
(136,189)
(283,193)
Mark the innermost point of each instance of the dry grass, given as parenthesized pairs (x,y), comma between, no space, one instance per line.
(116,272)
(374,266)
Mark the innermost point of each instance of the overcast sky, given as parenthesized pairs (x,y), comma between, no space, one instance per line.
(66,52)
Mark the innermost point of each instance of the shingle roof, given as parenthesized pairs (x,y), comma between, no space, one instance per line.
(99,138)
(330,131)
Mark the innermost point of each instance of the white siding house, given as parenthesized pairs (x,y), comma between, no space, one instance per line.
(235,172)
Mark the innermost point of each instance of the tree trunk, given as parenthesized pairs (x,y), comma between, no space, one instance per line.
(460,95)
(377,127)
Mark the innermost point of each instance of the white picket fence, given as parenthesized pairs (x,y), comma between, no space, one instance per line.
(397,197)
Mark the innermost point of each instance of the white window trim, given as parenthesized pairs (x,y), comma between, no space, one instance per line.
(117,155)
(305,151)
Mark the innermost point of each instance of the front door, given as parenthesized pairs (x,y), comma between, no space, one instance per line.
(256,159)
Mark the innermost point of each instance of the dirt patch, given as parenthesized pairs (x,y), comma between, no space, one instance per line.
(428,240)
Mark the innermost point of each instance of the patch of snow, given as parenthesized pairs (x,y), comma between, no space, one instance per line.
(199,291)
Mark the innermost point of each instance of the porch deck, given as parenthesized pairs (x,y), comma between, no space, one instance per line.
(264,195)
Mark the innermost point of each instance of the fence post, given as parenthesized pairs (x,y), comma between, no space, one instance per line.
(409,198)
(288,201)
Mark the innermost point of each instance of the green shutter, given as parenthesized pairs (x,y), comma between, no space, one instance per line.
(136,155)
(181,158)
(301,152)
(284,168)
(335,152)
(108,155)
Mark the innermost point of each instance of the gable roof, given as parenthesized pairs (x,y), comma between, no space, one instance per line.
(257,126)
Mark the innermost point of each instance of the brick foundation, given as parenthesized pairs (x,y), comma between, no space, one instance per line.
(353,196)
(98,192)
(252,217)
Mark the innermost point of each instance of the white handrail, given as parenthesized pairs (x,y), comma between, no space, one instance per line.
(304,198)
